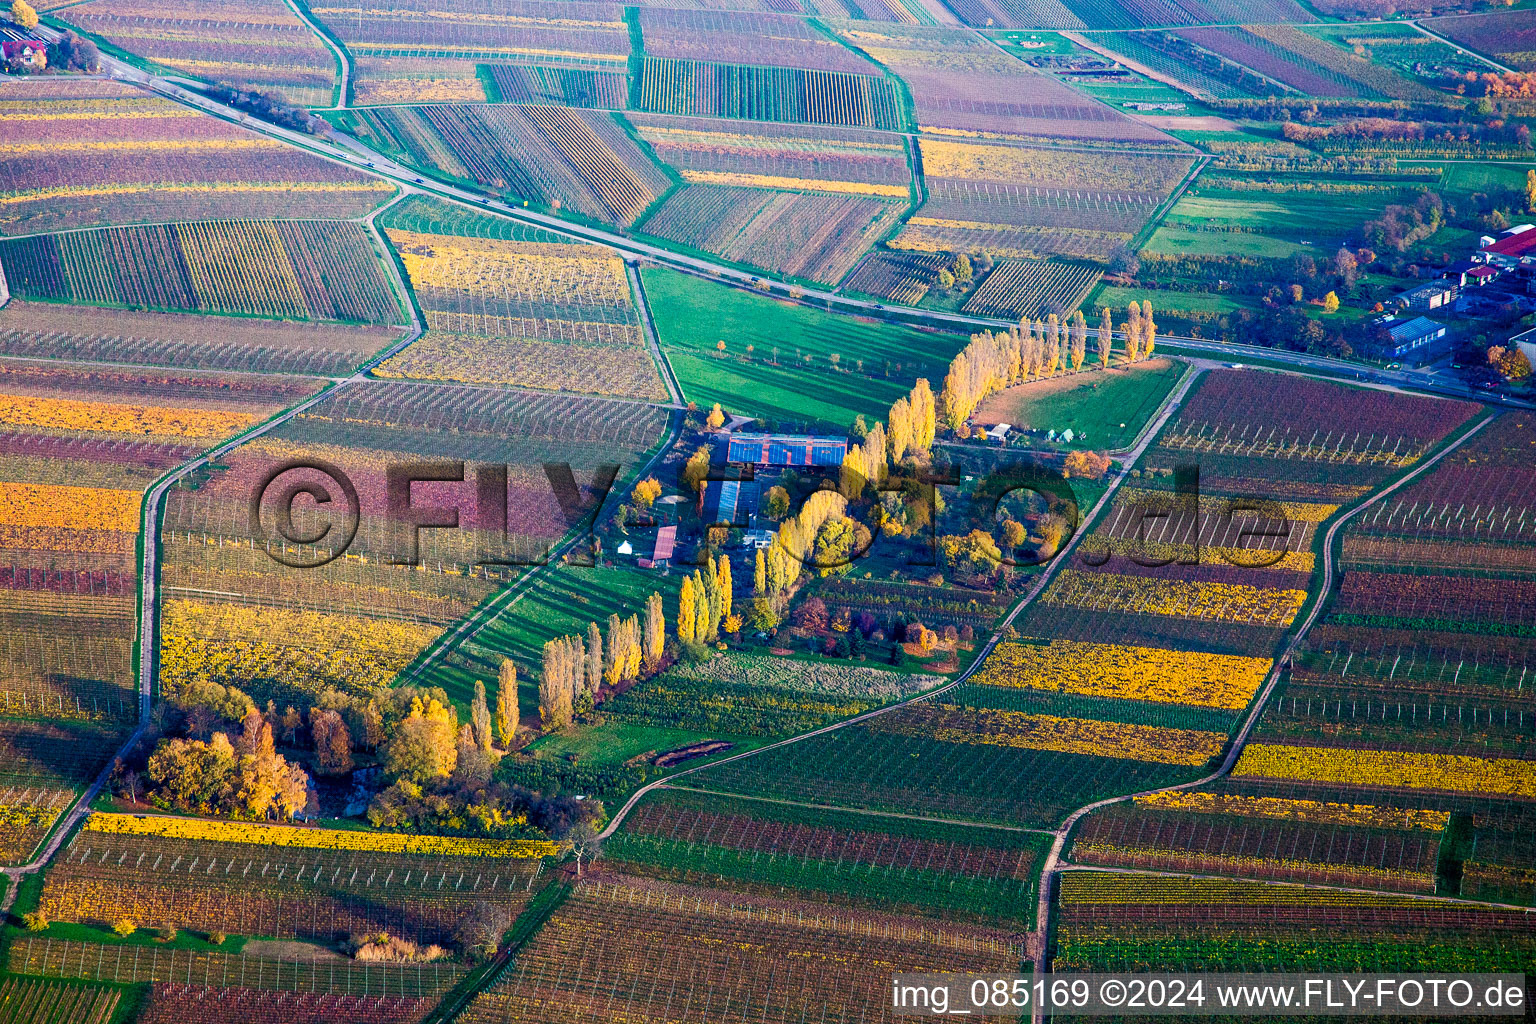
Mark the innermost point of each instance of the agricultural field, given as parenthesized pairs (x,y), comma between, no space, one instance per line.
(1126,922)
(1414,681)
(280,270)
(1102,14)
(763,373)
(1107,409)
(234,614)
(1306,64)
(766,155)
(618,945)
(79,444)
(91,153)
(550,315)
(99,334)
(955,79)
(1507,36)
(1033,203)
(558,158)
(258,44)
(813,236)
(1033,289)
(416,52)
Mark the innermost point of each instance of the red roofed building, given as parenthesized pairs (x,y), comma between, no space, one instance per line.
(31,52)
(666,543)
(1512,244)
(1482,274)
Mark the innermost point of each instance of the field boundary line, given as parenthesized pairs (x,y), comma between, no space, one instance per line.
(648,328)
(860,810)
(1053,861)
(1429,897)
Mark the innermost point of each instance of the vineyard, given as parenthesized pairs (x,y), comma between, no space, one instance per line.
(1100,14)
(1029,288)
(79,444)
(557,157)
(1268,837)
(294,270)
(531,314)
(1027,202)
(1126,922)
(89,153)
(171,1003)
(757,40)
(1305,63)
(49,330)
(624,948)
(123,964)
(910,867)
(568,87)
(250,879)
(814,236)
(419,52)
(697,88)
(30,1001)
(903,277)
(779,156)
(964,86)
(1508,36)
(235,614)
(256,44)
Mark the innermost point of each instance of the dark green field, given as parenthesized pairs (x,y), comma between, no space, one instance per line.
(693,316)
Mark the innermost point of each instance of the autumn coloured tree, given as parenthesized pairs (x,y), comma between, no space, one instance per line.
(506,702)
(23,14)
(1079,348)
(687,612)
(556,684)
(716,418)
(646,492)
(592,670)
(424,745)
(655,633)
(1133,332)
(333,744)
(480,718)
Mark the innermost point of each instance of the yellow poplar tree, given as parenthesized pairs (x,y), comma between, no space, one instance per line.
(724,577)
(899,429)
(1106,336)
(506,702)
(1079,340)
(686,611)
(924,415)
(655,632)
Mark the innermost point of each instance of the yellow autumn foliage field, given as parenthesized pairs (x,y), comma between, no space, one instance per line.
(1127,672)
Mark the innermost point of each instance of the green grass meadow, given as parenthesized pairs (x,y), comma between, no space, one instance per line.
(693,315)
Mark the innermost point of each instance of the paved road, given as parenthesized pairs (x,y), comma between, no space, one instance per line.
(1053,863)
(343,62)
